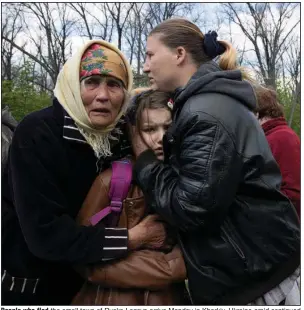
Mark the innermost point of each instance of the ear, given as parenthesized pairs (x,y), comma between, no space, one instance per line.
(180,55)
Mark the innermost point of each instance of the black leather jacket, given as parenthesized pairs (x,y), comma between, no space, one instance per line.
(220,187)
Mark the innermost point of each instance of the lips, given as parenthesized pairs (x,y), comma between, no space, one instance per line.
(101,110)
(159,152)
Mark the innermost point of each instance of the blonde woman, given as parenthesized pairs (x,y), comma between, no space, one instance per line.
(219,184)
(55,156)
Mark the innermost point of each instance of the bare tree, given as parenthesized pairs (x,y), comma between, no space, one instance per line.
(130,33)
(50,41)
(10,27)
(265,25)
(120,13)
(95,22)
(80,8)
(292,65)
(159,12)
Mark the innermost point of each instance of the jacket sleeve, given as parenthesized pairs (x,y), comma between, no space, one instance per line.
(141,269)
(197,193)
(285,147)
(41,206)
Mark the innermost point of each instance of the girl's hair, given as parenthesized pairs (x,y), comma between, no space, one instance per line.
(267,103)
(147,99)
(181,32)
(151,99)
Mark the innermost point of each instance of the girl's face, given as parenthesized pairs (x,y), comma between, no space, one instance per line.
(154,124)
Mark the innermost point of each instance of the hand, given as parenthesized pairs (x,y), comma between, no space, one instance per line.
(138,144)
(150,233)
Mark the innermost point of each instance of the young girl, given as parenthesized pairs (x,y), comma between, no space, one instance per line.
(144,277)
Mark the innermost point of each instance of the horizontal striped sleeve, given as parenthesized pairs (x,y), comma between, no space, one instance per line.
(115,243)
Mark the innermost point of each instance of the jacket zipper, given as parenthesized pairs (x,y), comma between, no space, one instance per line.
(180,242)
(110,297)
(234,244)
(97,295)
(146,296)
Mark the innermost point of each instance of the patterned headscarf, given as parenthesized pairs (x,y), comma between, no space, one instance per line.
(99,59)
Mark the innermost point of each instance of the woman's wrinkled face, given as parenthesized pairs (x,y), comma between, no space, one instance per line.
(154,124)
(160,65)
(103,97)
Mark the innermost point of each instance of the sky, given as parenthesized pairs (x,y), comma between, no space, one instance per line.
(209,13)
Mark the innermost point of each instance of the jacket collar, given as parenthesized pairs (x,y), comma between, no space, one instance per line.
(203,70)
(210,78)
(272,123)
(70,131)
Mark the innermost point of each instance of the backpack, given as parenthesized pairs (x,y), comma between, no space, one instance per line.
(119,188)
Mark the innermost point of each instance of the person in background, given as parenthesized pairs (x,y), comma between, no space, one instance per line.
(55,155)
(8,125)
(283,141)
(219,184)
(144,277)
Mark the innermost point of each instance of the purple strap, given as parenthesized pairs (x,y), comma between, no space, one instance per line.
(119,188)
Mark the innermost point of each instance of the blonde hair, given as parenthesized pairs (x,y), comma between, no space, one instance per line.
(181,32)
(139,90)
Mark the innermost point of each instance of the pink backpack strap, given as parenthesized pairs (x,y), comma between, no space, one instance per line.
(119,188)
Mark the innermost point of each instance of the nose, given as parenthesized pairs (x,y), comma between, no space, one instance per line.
(146,68)
(159,136)
(102,93)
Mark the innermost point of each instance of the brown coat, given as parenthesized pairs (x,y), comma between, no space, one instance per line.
(144,277)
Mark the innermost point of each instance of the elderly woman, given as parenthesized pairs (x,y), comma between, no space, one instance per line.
(55,156)
(283,141)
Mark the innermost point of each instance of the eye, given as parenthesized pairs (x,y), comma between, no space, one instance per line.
(149,129)
(113,84)
(149,55)
(92,82)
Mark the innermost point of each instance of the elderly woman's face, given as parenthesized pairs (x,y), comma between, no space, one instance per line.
(102,97)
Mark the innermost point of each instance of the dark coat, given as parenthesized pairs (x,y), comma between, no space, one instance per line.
(220,186)
(286,148)
(50,171)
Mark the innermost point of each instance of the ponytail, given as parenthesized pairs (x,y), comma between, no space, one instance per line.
(228,61)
